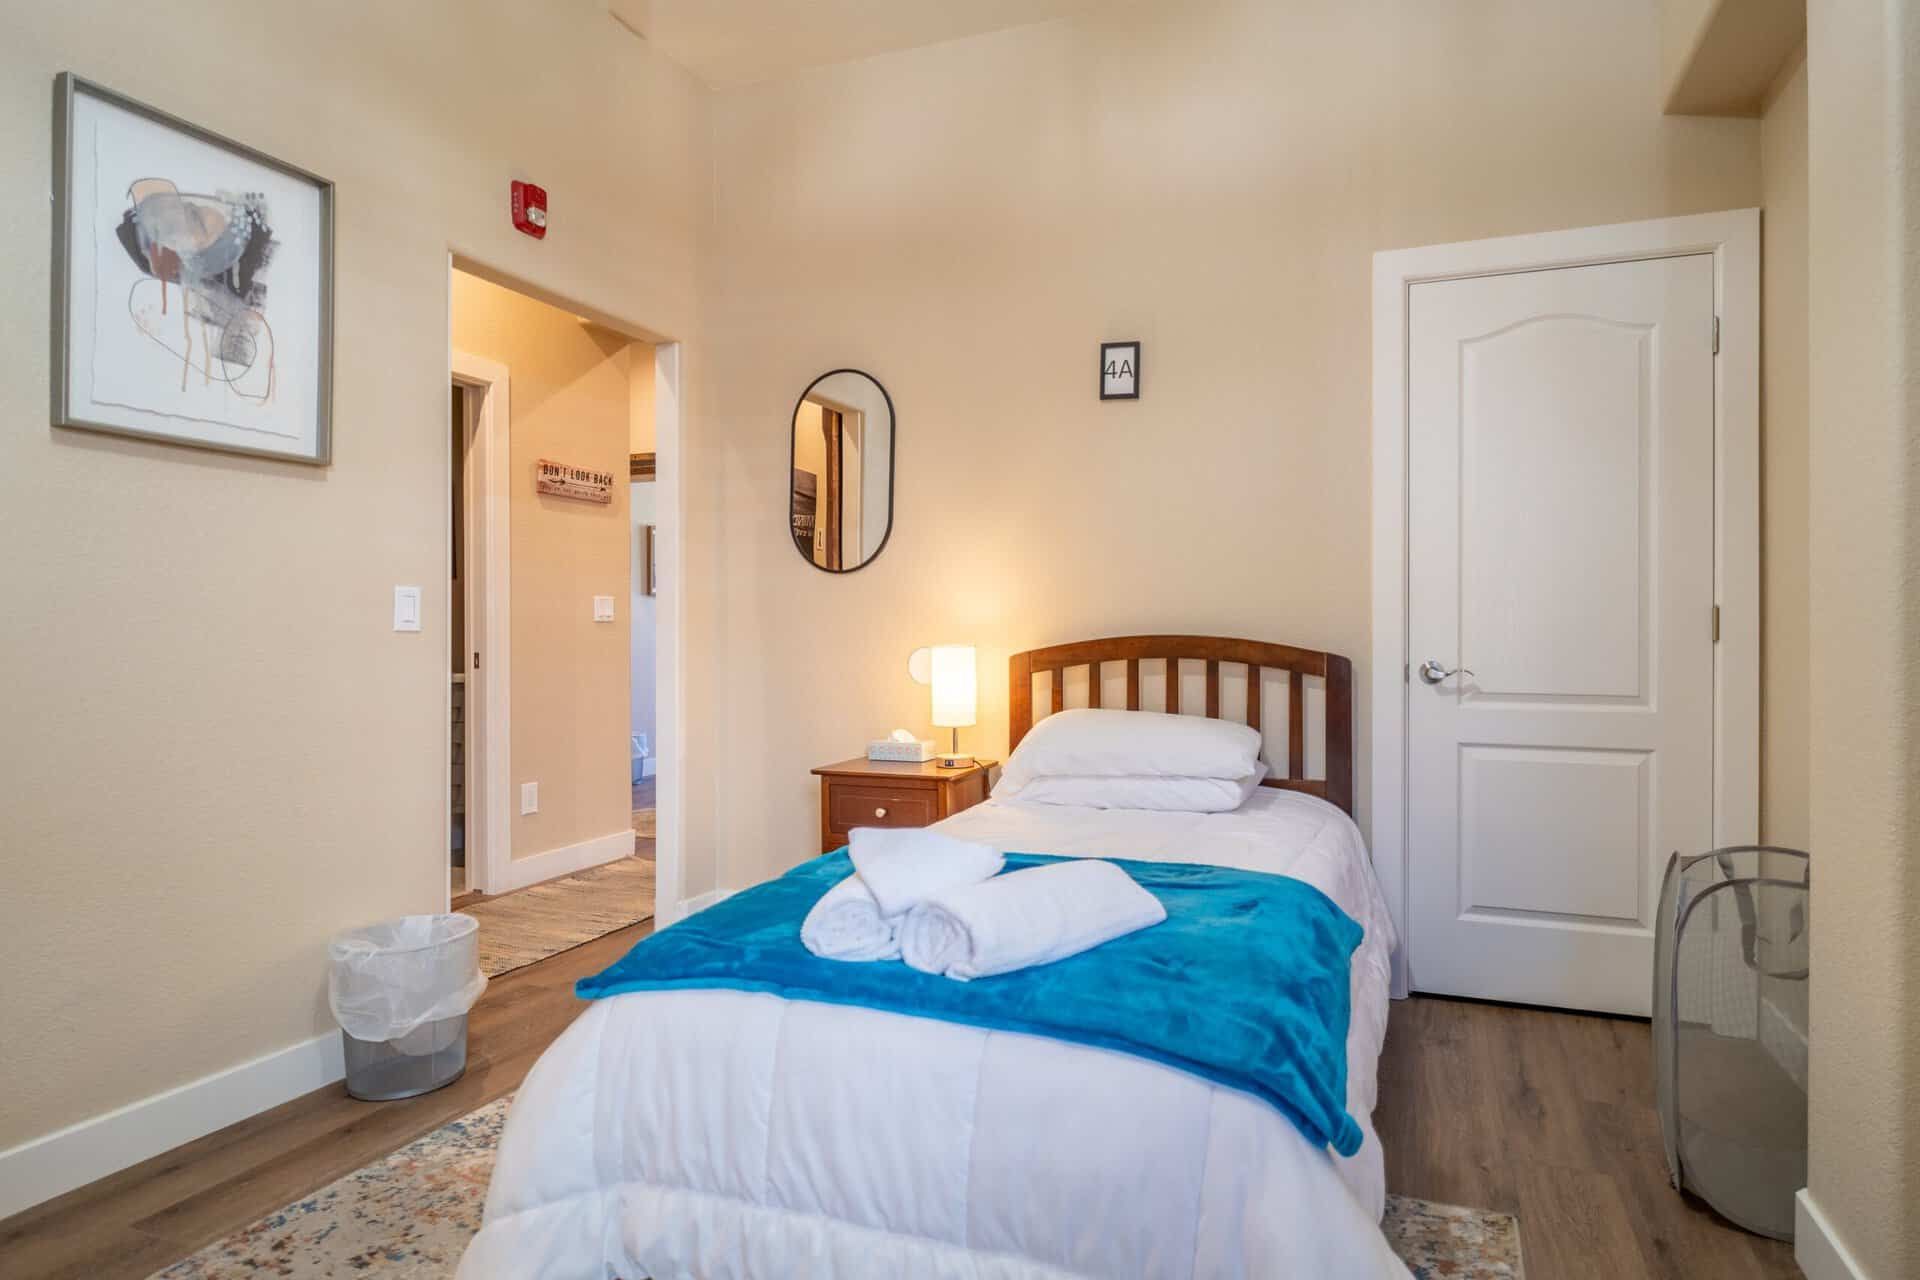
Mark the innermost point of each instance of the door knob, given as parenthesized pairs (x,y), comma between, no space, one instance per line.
(1433,673)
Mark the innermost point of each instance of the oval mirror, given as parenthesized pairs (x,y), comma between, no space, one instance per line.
(841,497)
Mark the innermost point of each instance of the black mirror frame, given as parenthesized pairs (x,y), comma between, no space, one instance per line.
(893,462)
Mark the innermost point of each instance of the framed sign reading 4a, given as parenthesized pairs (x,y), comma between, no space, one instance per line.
(192,283)
(1120,371)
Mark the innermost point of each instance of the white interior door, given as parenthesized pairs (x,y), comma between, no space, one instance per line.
(1560,556)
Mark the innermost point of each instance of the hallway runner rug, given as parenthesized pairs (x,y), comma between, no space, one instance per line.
(543,920)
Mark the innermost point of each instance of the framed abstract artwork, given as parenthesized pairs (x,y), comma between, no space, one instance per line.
(192,283)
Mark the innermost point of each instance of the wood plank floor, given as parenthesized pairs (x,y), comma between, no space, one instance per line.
(1550,1116)
(1547,1115)
(155,1213)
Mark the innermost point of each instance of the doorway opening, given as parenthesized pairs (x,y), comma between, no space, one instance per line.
(549,409)
(644,645)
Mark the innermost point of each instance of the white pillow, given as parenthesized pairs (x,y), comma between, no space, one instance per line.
(1099,743)
(1184,795)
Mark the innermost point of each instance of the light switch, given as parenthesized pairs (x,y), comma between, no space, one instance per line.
(406,608)
(603,608)
(529,798)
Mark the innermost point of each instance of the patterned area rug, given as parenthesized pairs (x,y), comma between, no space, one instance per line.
(412,1214)
(1446,1242)
(518,928)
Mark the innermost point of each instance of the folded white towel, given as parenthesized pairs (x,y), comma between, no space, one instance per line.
(904,866)
(846,924)
(1025,918)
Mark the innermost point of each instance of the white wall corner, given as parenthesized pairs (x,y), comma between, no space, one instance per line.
(49,1166)
(688,906)
(1817,1248)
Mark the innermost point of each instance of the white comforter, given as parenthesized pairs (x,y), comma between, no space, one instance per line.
(734,1134)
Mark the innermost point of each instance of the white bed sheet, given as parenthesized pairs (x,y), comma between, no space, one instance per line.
(733,1134)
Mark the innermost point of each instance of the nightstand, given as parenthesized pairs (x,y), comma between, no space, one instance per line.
(880,793)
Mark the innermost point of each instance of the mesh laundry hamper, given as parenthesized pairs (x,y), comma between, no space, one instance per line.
(1729,1030)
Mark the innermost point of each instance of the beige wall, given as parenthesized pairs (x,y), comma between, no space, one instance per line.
(642,436)
(571,400)
(1211,179)
(1683,24)
(1863,70)
(1720,57)
(216,751)
(1784,659)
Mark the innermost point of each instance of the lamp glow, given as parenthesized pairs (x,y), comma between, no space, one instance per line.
(955,696)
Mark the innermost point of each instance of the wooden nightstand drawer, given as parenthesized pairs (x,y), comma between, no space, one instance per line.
(850,806)
(868,793)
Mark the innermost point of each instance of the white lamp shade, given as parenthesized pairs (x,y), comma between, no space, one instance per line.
(955,687)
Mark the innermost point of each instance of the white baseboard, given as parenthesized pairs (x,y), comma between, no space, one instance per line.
(1817,1248)
(53,1165)
(567,859)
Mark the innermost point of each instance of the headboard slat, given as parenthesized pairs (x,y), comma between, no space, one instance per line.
(1296,725)
(1337,671)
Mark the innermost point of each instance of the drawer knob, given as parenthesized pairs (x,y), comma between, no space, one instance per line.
(880,813)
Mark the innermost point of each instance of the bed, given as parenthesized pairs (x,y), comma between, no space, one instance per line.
(726,1133)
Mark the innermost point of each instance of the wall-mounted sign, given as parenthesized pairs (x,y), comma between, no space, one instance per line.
(563,481)
(1119,371)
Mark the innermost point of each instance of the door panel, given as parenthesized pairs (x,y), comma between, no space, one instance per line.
(1560,520)
(1554,617)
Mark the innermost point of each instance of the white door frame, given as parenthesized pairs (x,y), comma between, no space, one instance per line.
(489,614)
(669,711)
(1733,238)
(493,587)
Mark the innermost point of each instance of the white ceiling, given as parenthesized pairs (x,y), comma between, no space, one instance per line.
(736,42)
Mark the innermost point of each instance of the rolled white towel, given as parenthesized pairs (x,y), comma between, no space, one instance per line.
(1025,918)
(846,924)
(904,866)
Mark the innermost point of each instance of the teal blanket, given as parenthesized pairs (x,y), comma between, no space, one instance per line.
(1245,983)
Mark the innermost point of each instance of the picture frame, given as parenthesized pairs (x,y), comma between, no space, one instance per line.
(1120,370)
(192,283)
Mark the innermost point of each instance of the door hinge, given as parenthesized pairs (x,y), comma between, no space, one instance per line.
(1716,624)
(476,659)
(1716,335)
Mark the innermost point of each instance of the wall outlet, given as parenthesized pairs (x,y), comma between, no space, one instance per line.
(603,608)
(529,798)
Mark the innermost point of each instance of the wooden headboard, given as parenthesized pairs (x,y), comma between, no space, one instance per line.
(1299,664)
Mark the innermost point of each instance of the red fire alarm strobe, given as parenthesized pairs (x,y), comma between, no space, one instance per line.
(530,209)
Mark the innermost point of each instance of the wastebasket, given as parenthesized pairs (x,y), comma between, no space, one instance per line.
(401,991)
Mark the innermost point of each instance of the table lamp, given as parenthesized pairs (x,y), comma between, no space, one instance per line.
(955,695)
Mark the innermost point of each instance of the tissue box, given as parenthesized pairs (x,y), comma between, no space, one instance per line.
(901,752)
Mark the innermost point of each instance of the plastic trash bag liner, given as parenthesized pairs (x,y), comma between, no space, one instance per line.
(387,980)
